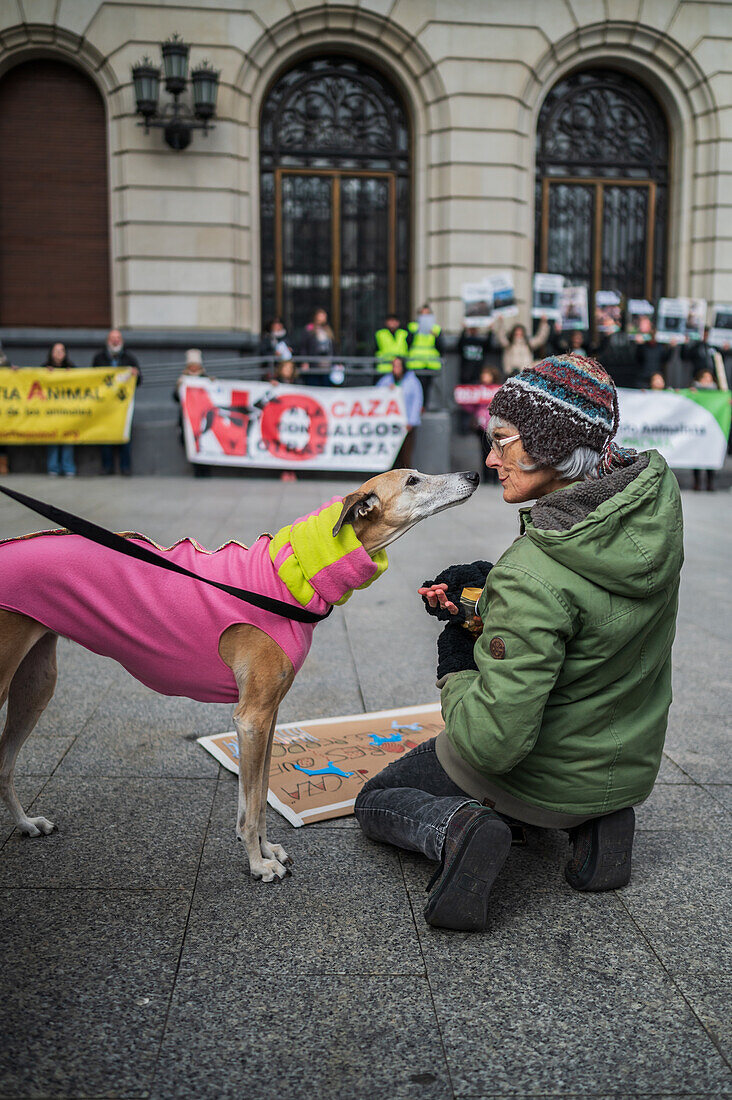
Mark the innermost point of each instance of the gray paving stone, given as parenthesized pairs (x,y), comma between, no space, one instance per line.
(42,755)
(86,980)
(562,995)
(669,772)
(344,910)
(700,744)
(360,1037)
(138,749)
(721,792)
(113,833)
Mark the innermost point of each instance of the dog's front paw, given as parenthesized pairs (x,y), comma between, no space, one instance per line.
(268,870)
(276,851)
(36,826)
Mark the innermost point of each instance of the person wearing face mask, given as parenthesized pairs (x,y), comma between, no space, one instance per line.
(424,340)
(115,354)
(556,686)
(273,346)
(59,456)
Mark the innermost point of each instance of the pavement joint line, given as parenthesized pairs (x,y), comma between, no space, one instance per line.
(645,936)
(354,662)
(164,1028)
(427,977)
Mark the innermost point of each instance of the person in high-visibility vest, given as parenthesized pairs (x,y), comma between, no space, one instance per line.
(391,344)
(425,346)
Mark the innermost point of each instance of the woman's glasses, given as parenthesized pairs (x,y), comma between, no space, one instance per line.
(498,446)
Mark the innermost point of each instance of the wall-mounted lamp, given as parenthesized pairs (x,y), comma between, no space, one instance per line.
(176,119)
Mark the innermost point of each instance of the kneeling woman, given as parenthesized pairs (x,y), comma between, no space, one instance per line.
(556,715)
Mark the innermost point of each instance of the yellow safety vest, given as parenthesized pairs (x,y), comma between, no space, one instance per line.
(423,355)
(390,346)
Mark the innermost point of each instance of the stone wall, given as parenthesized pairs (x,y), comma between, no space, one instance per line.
(184,226)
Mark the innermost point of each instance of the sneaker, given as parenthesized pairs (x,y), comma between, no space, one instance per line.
(52,473)
(70,473)
(476,846)
(602,852)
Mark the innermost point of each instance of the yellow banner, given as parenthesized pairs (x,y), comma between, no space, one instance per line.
(79,405)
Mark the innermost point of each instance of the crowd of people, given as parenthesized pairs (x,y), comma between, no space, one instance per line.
(409,356)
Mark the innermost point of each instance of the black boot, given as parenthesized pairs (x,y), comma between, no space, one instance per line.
(476,846)
(602,850)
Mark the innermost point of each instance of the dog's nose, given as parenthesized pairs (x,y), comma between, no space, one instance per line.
(472,476)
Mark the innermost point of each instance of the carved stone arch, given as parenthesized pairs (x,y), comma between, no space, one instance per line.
(673,76)
(380,43)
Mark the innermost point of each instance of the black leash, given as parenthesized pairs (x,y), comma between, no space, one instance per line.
(101,535)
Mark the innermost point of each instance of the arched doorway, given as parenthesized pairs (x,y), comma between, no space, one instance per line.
(54,235)
(602,184)
(335,189)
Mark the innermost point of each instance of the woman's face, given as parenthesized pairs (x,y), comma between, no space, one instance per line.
(58,354)
(519,333)
(520,485)
(320,318)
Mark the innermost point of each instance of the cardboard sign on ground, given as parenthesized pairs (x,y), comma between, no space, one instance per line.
(319,767)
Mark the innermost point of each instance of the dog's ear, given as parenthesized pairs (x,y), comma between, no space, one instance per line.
(355,506)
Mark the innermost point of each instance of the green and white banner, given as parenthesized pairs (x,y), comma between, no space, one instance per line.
(690,428)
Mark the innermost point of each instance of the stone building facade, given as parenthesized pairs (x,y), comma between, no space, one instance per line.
(187,232)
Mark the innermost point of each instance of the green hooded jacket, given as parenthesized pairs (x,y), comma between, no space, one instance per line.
(569,706)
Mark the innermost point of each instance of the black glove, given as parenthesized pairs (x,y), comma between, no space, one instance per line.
(457,577)
(455,650)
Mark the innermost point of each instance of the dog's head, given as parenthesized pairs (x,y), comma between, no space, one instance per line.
(389,504)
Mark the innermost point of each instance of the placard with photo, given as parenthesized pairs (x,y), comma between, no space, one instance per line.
(547,296)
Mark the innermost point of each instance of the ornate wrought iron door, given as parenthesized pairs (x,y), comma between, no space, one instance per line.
(602,179)
(335,199)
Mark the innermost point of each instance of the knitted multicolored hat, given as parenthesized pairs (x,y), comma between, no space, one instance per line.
(562,402)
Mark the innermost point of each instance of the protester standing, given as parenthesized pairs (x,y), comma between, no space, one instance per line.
(115,354)
(194,368)
(391,344)
(59,456)
(273,345)
(411,388)
(318,343)
(424,340)
(518,346)
(704,380)
(651,358)
(4,455)
(472,349)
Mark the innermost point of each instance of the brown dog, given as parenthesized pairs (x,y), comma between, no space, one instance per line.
(382,510)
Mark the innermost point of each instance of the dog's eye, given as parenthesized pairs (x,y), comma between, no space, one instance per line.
(412,480)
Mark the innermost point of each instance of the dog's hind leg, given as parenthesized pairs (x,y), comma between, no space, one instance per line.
(28,695)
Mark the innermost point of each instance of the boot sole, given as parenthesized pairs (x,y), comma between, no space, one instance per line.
(609,864)
(460,899)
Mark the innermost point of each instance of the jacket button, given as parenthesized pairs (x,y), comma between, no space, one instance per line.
(498,648)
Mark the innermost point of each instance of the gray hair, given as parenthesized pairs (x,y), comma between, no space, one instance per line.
(581,463)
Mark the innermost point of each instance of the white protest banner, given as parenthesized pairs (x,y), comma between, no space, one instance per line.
(477,304)
(573,308)
(259,424)
(547,296)
(639,318)
(720,335)
(688,427)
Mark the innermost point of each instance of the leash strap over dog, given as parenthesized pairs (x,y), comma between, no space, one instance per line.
(112,541)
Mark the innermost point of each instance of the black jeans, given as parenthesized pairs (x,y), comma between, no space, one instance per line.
(410,803)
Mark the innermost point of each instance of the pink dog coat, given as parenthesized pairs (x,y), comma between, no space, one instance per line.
(165,628)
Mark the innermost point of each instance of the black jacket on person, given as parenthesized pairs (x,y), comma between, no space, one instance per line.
(650,358)
(472,351)
(123,359)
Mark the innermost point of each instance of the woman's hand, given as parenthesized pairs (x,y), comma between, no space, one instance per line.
(441,596)
(436,596)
